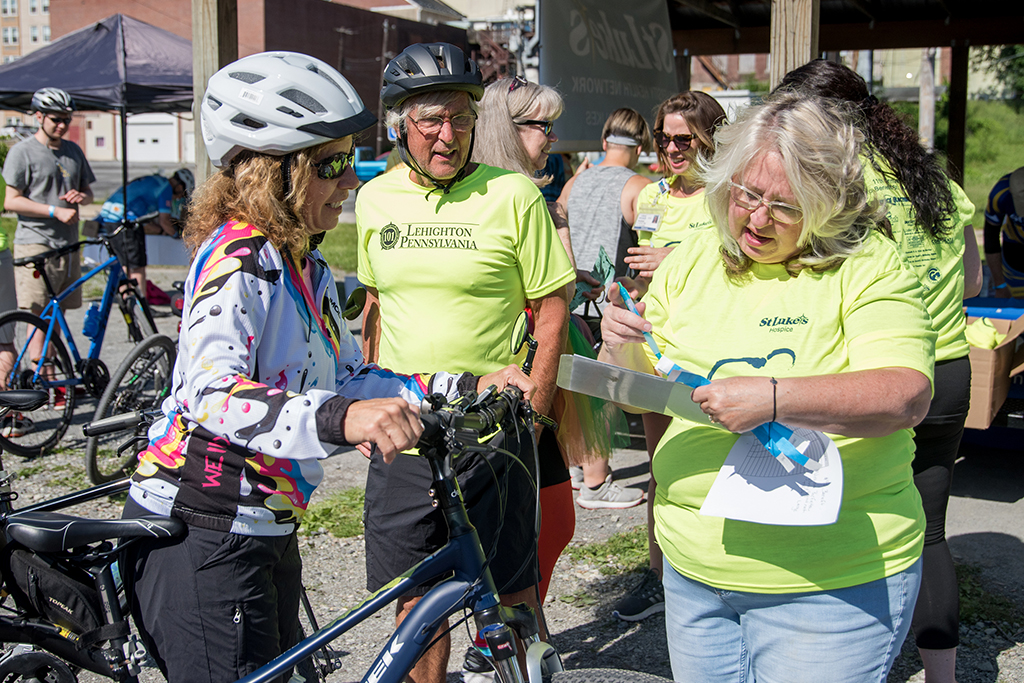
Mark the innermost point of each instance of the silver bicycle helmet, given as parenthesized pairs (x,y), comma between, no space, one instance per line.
(429,67)
(278,103)
(52,101)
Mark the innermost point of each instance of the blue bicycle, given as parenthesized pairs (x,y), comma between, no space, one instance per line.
(34,350)
(451,430)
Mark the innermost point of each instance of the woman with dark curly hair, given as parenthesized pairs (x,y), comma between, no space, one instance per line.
(931,223)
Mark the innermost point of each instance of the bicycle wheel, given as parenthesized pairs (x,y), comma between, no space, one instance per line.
(29,434)
(603,676)
(141,382)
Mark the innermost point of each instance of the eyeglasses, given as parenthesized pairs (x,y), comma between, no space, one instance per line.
(431,125)
(548,125)
(780,212)
(334,167)
(683,142)
(66,120)
(516,82)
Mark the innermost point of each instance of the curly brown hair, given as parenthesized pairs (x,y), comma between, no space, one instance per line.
(251,190)
(916,169)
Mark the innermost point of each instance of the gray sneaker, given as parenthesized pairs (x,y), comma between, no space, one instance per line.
(646,599)
(609,495)
(576,477)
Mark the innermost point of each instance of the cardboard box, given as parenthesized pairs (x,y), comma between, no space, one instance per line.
(991,370)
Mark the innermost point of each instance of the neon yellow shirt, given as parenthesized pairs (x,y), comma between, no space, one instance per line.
(3,233)
(454,271)
(865,314)
(681,215)
(937,263)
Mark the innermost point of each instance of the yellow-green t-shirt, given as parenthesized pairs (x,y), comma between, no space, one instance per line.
(3,233)
(865,314)
(453,271)
(937,262)
(681,215)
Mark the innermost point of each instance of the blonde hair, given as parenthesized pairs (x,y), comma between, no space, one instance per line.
(818,147)
(497,136)
(250,189)
(628,123)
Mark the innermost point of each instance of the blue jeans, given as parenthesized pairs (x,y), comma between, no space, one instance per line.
(850,634)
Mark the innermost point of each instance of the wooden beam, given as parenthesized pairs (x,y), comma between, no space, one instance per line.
(706,8)
(214,45)
(794,35)
(884,35)
(957,137)
(684,68)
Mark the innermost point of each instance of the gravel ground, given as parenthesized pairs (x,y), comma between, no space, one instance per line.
(578,605)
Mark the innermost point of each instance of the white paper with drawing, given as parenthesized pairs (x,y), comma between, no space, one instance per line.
(753,486)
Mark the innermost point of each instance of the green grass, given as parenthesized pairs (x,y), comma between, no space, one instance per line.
(623,553)
(340,514)
(339,247)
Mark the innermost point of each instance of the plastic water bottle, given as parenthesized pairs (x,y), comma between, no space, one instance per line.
(91,326)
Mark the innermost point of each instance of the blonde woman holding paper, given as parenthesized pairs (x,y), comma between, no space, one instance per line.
(801,314)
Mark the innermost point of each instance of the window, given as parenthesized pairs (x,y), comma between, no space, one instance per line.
(33,6)
(9,7)
(46,33)
(34,34)
(10,35)
(10,58)
(101,141)
(46,6)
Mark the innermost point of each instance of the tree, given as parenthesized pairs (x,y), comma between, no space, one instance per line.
(1006,63)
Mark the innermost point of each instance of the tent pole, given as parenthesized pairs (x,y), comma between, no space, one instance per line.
(124,128)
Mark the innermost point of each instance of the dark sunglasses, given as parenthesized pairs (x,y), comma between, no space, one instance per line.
(66,120)
(683,142)
(516,82)
(548,125)
(333,167)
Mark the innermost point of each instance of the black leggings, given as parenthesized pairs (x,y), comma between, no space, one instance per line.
(936,618)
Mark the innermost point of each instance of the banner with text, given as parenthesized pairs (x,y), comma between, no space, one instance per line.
(602,55)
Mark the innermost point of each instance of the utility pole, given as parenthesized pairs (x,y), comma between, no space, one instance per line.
(342,32)
(385,57)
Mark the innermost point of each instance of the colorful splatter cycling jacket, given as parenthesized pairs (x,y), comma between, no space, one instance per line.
(263,347)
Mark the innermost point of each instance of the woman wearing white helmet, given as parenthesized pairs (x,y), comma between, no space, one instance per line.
(268,379)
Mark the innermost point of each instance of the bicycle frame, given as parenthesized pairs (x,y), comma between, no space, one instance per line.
(55,315)
(471,588)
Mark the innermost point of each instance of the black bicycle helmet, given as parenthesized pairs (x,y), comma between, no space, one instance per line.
(52,101)
(429,67)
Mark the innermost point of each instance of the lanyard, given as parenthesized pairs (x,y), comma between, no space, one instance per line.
(774,436)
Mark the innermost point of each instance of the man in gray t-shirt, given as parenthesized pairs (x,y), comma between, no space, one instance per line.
(47,179)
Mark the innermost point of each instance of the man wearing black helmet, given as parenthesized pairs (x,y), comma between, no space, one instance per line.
(452,252)
(47,179)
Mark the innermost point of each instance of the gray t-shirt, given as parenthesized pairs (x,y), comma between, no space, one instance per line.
(44,175)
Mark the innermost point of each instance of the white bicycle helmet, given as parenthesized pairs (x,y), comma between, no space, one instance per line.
(52,101)
(278,103)
(186,178)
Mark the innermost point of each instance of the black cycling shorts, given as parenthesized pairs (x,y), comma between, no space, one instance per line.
(129,246)
(402,527)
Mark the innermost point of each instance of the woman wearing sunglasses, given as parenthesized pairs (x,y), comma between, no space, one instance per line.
(799,311)
(268,380)
(684,127)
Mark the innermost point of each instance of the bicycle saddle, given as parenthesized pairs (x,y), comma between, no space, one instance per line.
(39,259)
(51,532)
(23,399)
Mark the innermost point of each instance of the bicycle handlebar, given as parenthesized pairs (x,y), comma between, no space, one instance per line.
(481,417)
(118,423)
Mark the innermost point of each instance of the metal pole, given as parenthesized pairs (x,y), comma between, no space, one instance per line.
(380,105)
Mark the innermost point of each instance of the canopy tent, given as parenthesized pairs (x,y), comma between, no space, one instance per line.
(118,64)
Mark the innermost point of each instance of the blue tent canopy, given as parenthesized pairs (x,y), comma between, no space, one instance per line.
(118,64)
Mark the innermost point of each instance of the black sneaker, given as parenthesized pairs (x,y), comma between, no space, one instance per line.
(476,668)
(646,599)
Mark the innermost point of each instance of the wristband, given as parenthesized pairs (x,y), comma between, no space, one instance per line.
(52,209)
(1001,286)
